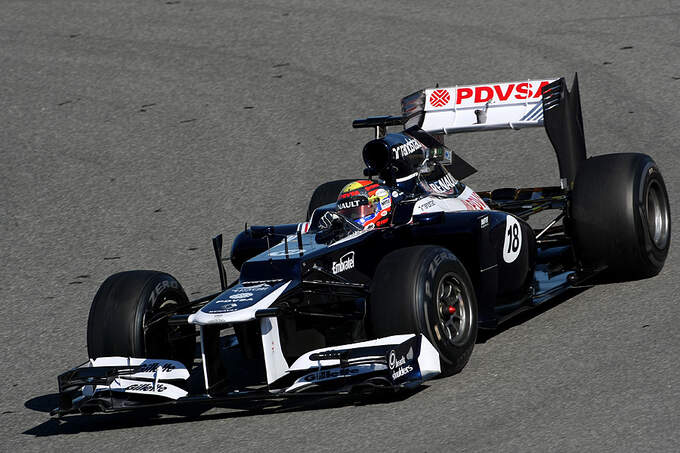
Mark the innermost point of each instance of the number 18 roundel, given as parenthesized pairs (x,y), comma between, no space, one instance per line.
(513,239)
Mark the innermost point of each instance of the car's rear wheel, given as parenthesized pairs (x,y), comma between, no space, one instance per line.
(426,289)
(326,193)
(620,216)
(129,318)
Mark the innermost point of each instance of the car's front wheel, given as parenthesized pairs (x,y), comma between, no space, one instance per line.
(426,289)
(129,318)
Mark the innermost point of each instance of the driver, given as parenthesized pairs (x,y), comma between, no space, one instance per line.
(366,203)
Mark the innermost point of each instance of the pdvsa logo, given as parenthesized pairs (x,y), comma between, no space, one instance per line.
(346,262)
(482,94)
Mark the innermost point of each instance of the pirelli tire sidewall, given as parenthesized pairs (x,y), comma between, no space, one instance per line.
(612,221)
(435,265)
(403,300)
(124,304)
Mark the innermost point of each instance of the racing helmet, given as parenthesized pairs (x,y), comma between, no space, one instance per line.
(365,203)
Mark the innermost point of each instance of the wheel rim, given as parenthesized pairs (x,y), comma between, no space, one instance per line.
(155,327)
(657,215)
(163,341)
(453,310)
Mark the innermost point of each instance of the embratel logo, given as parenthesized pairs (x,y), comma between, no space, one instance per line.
(346,262)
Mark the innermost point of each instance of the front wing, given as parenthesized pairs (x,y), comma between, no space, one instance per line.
(119,383)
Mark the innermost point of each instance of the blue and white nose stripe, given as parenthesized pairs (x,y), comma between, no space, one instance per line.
(238,304)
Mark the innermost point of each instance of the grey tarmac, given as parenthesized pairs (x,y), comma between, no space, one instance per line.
(131,132)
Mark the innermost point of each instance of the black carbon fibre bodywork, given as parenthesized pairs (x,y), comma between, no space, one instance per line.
(475,237)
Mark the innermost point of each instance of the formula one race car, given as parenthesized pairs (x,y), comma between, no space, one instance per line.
(389,278)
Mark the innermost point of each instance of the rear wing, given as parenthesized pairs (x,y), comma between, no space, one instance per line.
(512,105)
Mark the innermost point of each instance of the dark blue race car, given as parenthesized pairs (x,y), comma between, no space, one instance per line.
(388,280)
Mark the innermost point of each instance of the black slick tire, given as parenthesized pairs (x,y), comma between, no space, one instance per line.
(127,318)
(620,216)
(405,298)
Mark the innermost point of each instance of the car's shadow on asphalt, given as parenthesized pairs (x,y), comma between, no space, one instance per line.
(75,424)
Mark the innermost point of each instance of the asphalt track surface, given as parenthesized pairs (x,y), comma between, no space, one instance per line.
(133,131)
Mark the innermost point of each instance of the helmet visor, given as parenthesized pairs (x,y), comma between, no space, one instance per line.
(355,208)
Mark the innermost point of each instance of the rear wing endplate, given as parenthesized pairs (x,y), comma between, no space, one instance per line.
(564,125)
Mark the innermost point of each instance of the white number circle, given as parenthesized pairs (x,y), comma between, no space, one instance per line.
(513,239)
